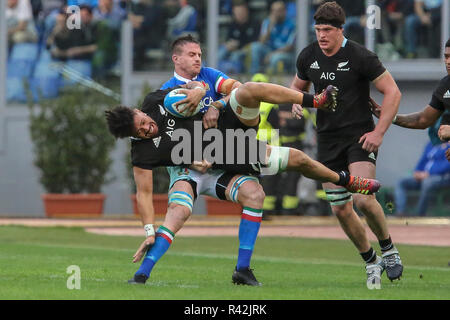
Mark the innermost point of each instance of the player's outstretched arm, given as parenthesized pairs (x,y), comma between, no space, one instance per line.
(144,197)
(416,120)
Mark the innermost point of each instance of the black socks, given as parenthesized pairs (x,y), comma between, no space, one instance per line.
(369,256)
(386,245)
(344,178)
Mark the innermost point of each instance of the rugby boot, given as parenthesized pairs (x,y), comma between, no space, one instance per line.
(246,277)
(362,185)
(374,271)
(393,264)
(138,279)
(326,99)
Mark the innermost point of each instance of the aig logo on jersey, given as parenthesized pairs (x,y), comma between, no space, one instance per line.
(342,66)
(328,76)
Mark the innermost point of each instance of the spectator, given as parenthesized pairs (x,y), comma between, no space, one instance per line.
(427,14)
(241,32)
(47,17)
(393,18)
(291,12)
(110,13)
(49,6)
(431,173)
(149,24)
(77,44)
(355,20)
(182,19)
(276,42)
(19,21)
(108,17)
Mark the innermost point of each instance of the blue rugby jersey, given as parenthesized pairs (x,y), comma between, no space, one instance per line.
(211,77)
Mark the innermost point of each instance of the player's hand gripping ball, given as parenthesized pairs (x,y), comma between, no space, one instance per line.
(179,111)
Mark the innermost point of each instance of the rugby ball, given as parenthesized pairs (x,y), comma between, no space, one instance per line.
(177,110)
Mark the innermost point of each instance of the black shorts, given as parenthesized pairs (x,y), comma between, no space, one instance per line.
(338,153)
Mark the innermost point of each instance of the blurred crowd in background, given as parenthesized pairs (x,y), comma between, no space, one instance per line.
(255,35)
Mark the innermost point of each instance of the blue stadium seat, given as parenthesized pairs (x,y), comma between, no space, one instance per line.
(24,51)
(20,66)
(46,80)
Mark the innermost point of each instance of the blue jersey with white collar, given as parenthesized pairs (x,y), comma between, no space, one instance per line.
(212,78)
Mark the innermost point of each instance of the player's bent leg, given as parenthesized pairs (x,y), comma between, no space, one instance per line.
(342,206)
(299,161)
(181,199)
(374,214)
(376,220)
(249,193)
(181,202)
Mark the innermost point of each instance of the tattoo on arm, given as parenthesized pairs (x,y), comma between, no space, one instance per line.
(412,121)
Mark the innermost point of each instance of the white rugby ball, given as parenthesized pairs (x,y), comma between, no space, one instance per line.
(173,97)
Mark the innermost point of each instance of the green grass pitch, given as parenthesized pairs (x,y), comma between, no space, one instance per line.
(34,261)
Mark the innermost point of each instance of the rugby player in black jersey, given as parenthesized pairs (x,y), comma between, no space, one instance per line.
(439,103)
(152,129)
(348,138)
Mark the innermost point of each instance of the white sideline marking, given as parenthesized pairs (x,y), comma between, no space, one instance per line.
(233,257)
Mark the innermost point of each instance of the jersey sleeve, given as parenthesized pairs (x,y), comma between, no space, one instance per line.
(140,156)
(437,101)
(370,65)
(218,76)
(301,65)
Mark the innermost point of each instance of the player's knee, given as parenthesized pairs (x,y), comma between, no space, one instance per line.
(298,158)
(251,194)
(179,212)
(341,211)
(248,88)
(364,203)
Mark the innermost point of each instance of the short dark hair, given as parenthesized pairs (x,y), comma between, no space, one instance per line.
(120,121)
(330,13)
(181,41)
(447,44)
(86,7)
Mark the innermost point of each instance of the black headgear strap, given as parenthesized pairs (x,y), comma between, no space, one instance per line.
(333,23)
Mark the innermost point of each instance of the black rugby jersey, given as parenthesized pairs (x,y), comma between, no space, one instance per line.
(440,99)
(157,151)
(351,70)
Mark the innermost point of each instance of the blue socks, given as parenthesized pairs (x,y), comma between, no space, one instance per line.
(163,240)
(248,232)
